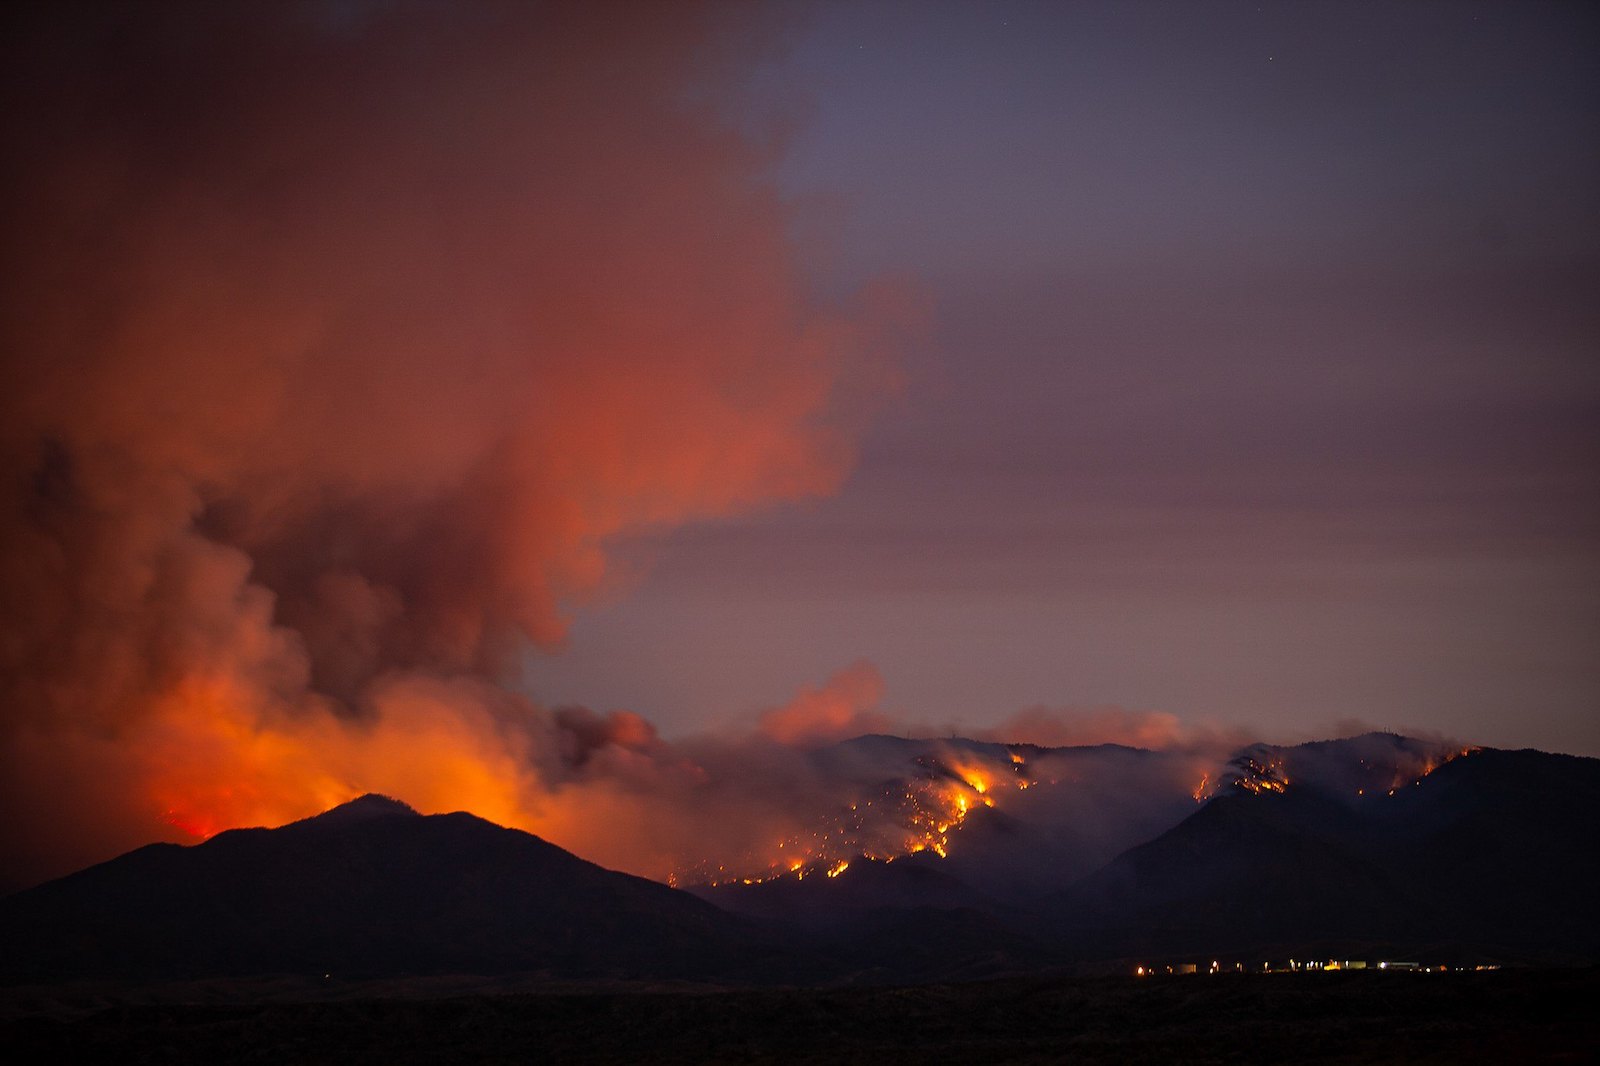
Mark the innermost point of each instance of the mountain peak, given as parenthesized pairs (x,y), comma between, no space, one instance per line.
(363,808)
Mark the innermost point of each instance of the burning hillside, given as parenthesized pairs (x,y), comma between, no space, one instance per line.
(1015,819)
(1373,764)
(965,803)
(884,819)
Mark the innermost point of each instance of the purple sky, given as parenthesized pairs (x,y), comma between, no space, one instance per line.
(1259,382)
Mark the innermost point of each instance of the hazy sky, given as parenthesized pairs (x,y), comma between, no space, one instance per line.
(1258,379)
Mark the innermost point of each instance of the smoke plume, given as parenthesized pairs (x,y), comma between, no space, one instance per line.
(340,341)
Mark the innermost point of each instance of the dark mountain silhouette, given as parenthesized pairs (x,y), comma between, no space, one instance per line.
(1373,846)
(1492,855)
(906,920)
(371,887)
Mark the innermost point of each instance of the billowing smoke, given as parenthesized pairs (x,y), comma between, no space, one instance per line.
(340,339)
(846,705)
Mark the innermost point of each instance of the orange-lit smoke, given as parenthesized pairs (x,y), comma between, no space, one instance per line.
(846,705)
(339,341)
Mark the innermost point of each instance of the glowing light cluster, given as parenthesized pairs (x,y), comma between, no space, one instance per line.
(1260,775)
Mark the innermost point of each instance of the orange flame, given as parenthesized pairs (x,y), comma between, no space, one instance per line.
(920,814)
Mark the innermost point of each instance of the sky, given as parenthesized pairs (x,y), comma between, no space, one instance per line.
(577,413)
(1258,384)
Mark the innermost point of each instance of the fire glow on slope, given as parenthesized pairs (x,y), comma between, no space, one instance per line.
(1429,765)
(898,818)
(1264,768)
(1260,776)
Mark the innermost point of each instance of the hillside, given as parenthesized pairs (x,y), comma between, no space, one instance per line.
(371,887)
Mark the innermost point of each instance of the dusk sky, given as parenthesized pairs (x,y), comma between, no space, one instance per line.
(570,413)
(1258,382)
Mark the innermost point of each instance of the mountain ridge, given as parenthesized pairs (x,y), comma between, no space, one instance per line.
(363,889)
(1373,843)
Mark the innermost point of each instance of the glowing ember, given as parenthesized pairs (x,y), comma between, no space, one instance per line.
(1258,775)
(1428,767)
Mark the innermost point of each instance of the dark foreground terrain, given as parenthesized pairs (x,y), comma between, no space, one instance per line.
(1501,1016)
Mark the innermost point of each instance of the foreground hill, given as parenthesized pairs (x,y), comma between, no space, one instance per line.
(371,887)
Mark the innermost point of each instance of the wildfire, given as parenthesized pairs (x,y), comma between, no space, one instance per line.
(200,828)
(916,814)
(1255,775)
(1429,766)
